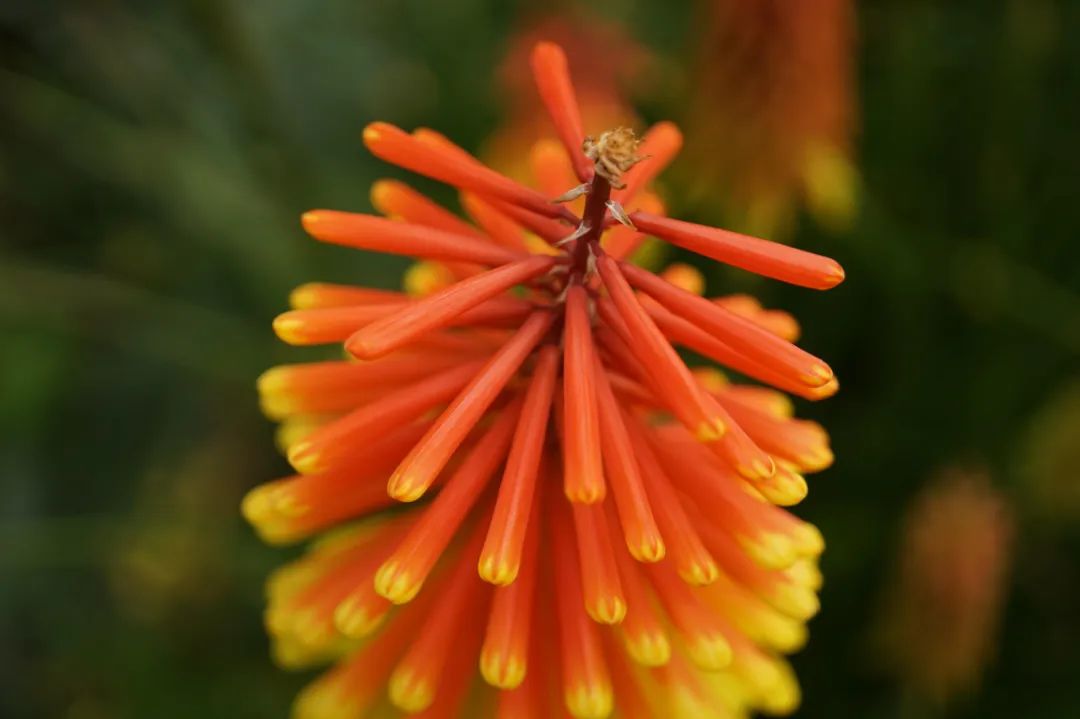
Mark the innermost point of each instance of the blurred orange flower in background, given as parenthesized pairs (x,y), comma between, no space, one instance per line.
(942,613)
(633,558)
(607,62)
(772,113)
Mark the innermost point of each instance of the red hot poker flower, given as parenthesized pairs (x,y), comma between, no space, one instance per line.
(593,527)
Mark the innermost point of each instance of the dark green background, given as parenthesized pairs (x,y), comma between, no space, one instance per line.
(155,156)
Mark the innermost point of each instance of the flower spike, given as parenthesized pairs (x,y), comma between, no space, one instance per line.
(516,475)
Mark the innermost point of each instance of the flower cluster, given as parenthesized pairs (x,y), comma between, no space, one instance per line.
(514,472)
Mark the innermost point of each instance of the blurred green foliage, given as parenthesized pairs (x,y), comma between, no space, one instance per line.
(155,157)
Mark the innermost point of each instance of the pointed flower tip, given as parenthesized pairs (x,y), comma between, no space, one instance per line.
(781,633)
(290,328)
(425,278)
(590,701)
(497,570)
(354,621)
(700,573)
(710,431)
(304,458)
(395,583)
(650,649)
(405,489)
(834,277)
(257,505)
(795,601)
(409,693)
(817,459)
(375,132)
(547,50)
(358,347)
(710,652)
(591,494)
(824,391)
(309,219)
(808,540)
(305,296)
(608,610)
(649,549)
(272,381)
(771,550)
(276,406)
(806,574)
(784,489)
(323,700)
(549,57)
(380,194)
(819,375)
(759,468)
(500,670)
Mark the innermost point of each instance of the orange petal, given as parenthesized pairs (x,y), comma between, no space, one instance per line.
(604,600)
(307,614)
(686,551)
(426,672)
(773,586)
(639,528)
(358,683)
(798,441)
(642,629)
(688,335)
(701,630)
(452,166)
(418,470)
(583,470)
(742,335)
(504,657)
(778,322)
(500,228)
(631,699)
(328,324)
(442,308)
(296,507)
(552,171)
(378,234)
(396,199)
(347,438)
(677,385)
(741,452)
(313,295)
(586,683)
(401,576)
(762,257)
(552,77)
(328,387)
(500,558)
(705,480)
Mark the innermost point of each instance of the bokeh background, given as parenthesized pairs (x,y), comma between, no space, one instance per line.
(154,160)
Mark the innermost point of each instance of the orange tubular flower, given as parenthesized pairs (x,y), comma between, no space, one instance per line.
(592,526)
(771,122)
(941,616)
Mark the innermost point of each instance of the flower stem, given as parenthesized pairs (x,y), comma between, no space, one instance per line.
(592,222)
